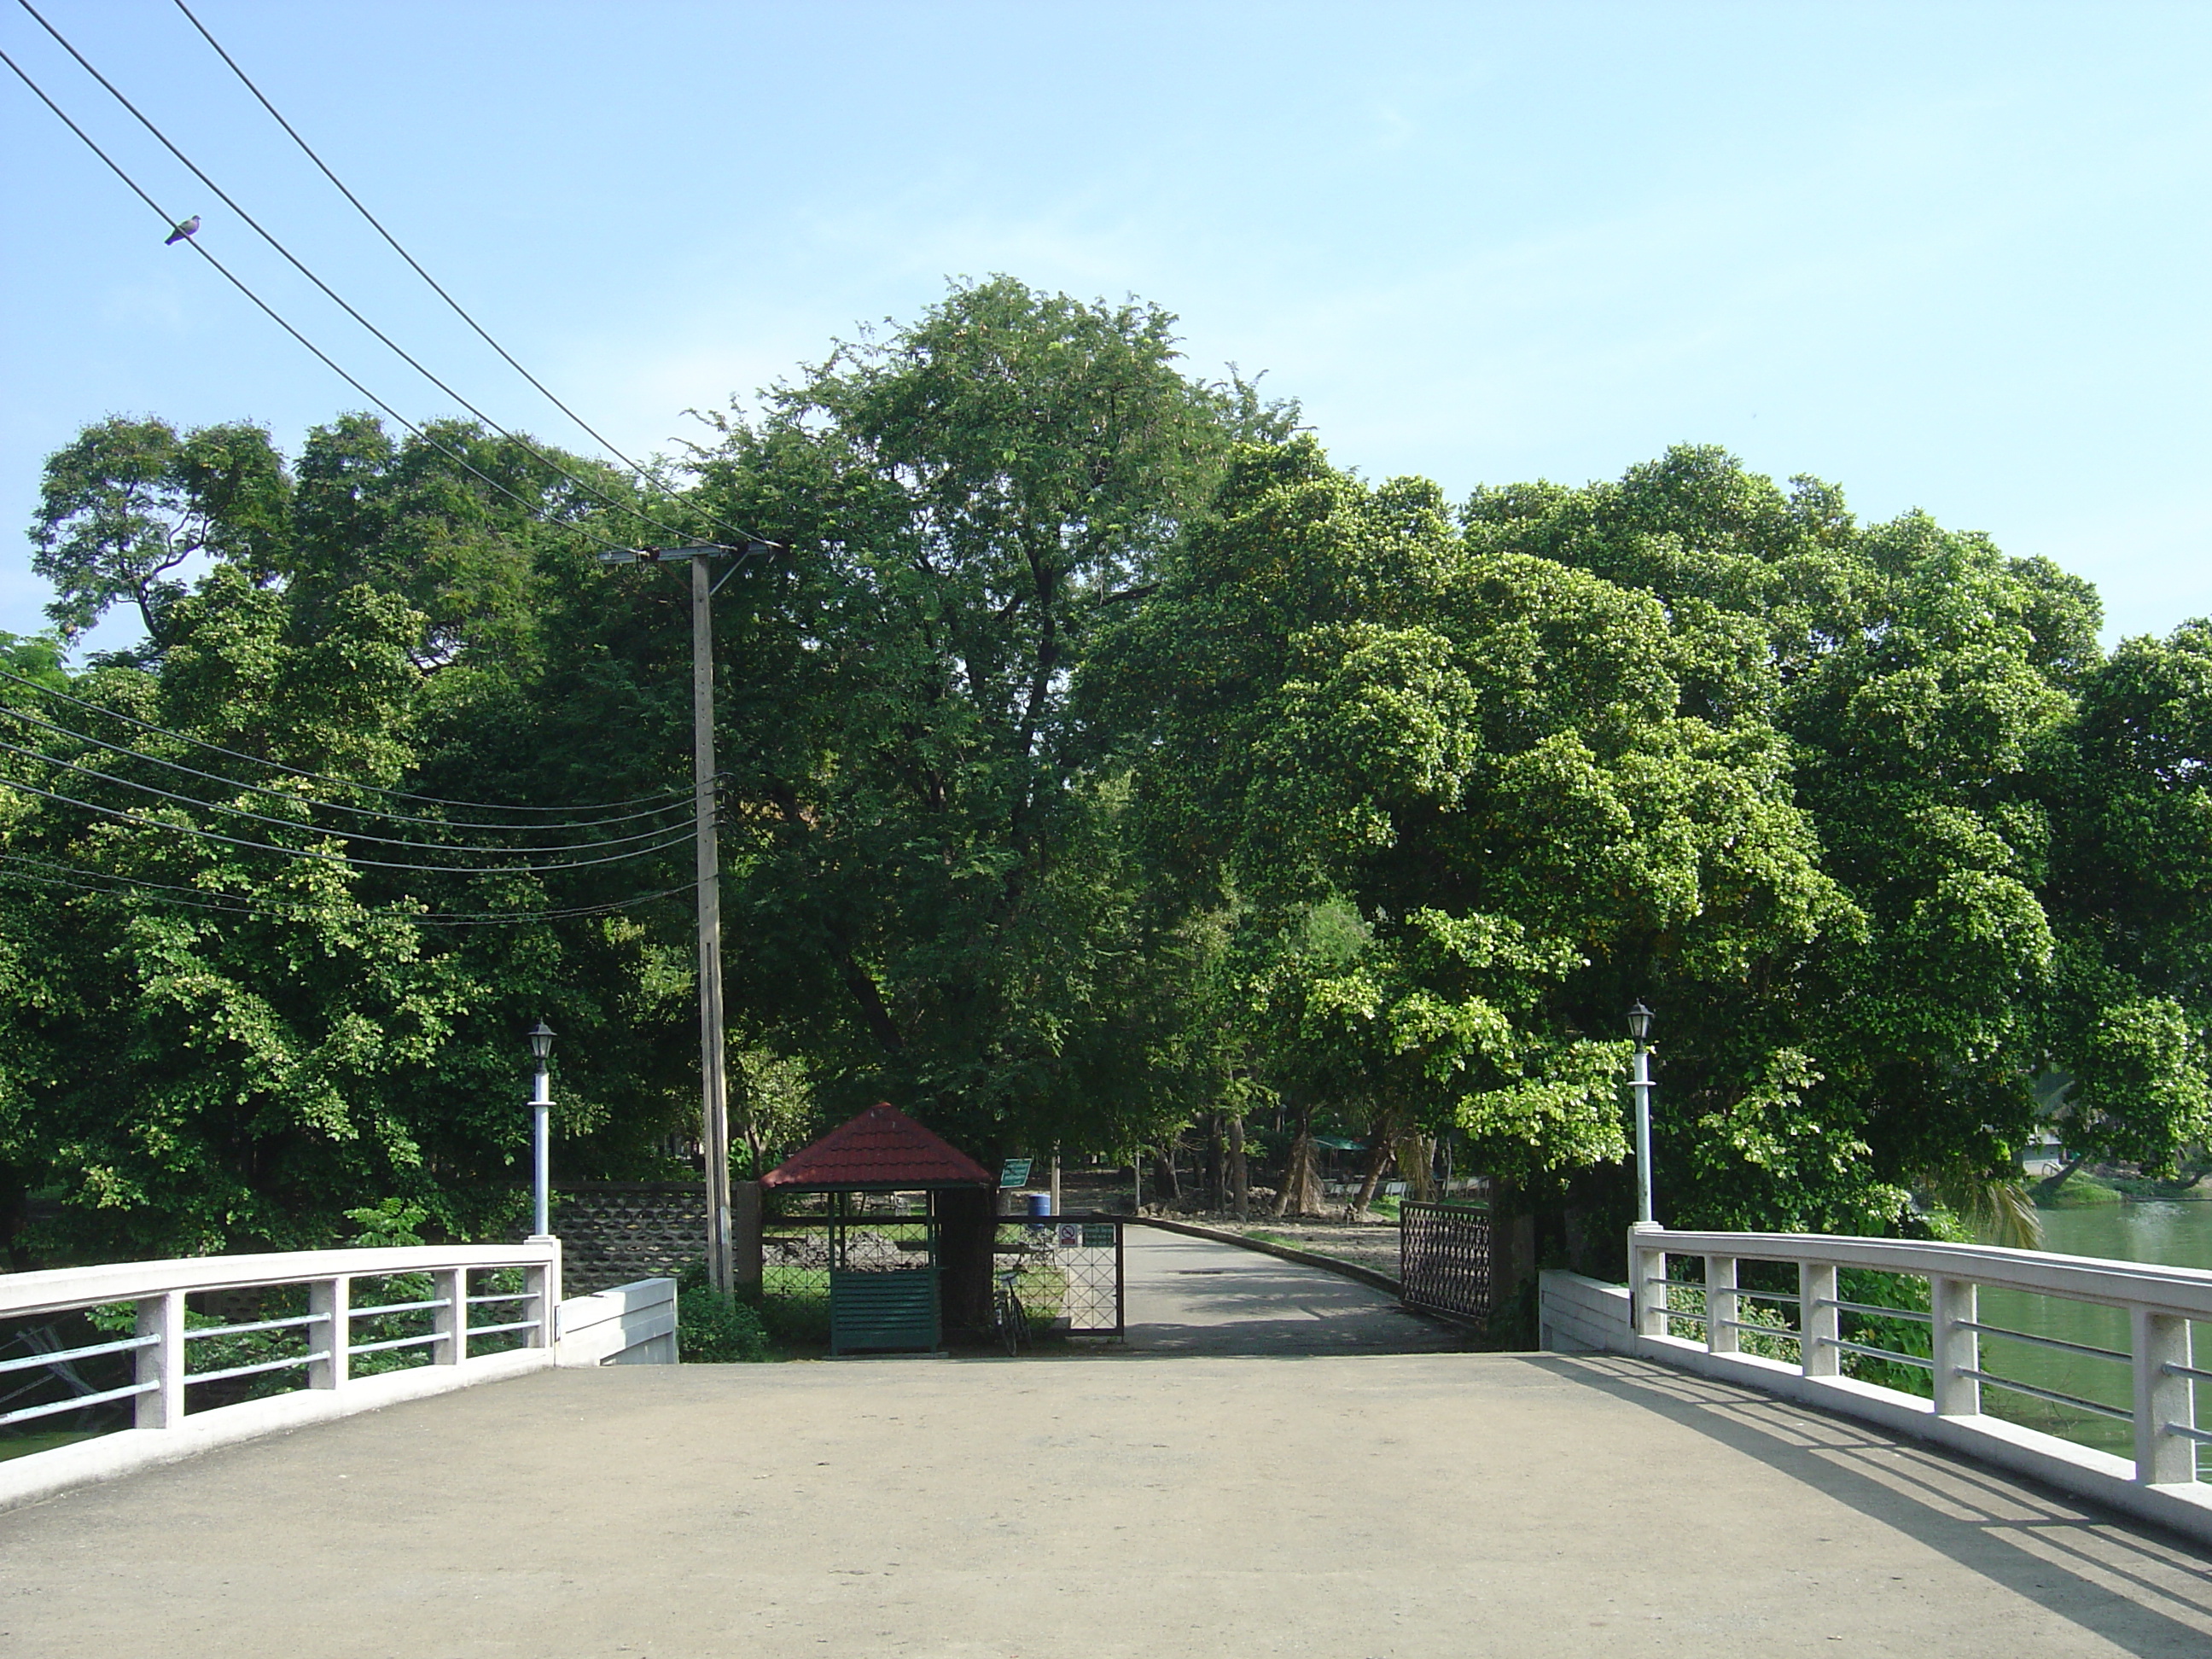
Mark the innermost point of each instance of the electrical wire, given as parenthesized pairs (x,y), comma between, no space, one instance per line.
(10,712)
(335,297)
(672,796)
(117,813)
(196,898)
(536,509)
(336,834)
(306,148)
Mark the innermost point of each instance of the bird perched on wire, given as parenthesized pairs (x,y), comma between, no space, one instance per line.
(183,229)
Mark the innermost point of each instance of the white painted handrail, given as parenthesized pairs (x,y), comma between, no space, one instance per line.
(2161,1302)
(2185,1290)
(461,1315)
(63,1288)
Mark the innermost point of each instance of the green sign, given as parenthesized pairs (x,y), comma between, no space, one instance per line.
(1015,1172)
(1097,1235)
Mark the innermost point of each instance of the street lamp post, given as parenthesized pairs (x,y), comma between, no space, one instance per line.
(1639,1028)
(714,1083)
(541,1115)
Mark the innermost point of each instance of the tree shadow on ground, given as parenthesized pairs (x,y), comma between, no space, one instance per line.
(2145,1591)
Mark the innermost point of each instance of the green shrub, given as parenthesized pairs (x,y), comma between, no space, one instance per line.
(713,1329)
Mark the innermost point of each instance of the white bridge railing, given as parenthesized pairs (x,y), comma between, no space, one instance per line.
(490,1311)
(2160,1303)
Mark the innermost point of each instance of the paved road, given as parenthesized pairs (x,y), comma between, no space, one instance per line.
(1191,1296)
(1346,1505)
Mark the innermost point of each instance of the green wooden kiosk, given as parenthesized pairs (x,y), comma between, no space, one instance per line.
(883,1295)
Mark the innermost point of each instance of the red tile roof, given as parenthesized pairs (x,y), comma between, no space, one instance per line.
(882,1148)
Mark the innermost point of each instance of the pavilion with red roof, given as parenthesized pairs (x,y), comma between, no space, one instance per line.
(882,1151)
(882,1300)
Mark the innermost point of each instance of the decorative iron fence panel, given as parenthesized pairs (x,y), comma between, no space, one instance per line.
(1443,1258)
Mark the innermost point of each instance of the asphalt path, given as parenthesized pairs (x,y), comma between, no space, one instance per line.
(1192,1295)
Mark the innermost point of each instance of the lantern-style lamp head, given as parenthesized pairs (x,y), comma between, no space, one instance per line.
(541,1041)
(1639,1022)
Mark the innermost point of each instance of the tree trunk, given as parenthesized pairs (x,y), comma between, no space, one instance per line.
(1239,1173)
(1301,1193)
(1378,1159)
(1166,1188)
(15,1211)
(1217,1165)
(1417,1156)
(2050,1184)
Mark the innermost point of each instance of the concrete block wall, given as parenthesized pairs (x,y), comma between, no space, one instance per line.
(615,1232)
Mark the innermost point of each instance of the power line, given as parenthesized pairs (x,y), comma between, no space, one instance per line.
(436,288)
(28,719)
(196,898)
(677,839)
(537,508)
(675,798)
(313,828)
(335,297)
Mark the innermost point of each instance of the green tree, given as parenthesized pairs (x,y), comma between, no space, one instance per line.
(1468,803)
(935,901)
(131,502)
(282,1035)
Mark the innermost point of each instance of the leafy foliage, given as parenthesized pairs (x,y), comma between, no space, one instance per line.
(714,1328)
(1097,755)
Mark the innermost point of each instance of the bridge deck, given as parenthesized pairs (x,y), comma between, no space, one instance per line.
(1352,1505)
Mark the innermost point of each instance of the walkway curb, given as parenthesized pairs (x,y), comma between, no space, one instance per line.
(1381,1281)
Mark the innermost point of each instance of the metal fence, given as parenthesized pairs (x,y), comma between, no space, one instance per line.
(1443,1258)
(1069,1271)
(805,1244)
(1069,1268)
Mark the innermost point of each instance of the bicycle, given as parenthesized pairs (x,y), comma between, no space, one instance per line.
(1013,1320)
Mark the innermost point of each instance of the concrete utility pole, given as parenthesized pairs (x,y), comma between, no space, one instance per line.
(713,1078)
(713,1081)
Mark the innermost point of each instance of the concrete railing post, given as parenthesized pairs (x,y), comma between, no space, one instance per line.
(2162,1399)
(451,1322)
(331,1300)
(1647,1268)
(543,1283)
(1720,1304)
(161,1362)
(1817,1330)
(1955,1346)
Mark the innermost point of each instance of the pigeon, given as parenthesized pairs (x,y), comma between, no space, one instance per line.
(182,231)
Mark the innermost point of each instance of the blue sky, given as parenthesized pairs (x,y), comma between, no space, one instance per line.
(1947,255)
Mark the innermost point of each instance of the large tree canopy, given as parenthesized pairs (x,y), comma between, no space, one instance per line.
(1096,756)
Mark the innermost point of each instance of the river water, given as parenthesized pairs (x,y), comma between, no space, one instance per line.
(2177,1234)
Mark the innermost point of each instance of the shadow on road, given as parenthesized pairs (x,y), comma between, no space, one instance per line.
(2131,1585)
